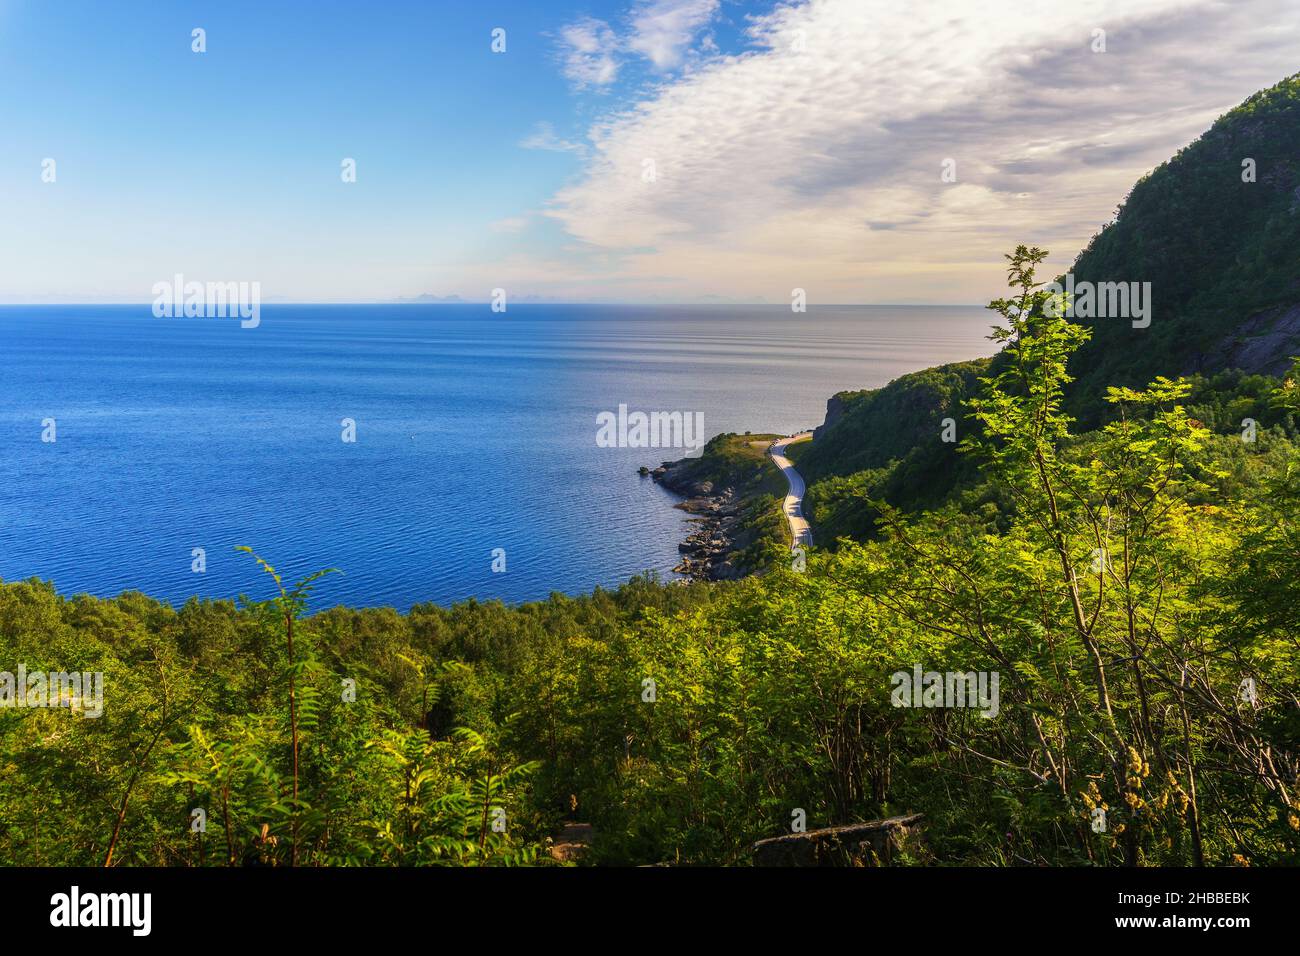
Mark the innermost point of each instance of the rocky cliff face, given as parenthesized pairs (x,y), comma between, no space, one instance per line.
(1263,344)
(834,412)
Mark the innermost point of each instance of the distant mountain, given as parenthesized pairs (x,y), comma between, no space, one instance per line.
(428,298)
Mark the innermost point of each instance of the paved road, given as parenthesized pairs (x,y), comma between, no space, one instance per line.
(793,507)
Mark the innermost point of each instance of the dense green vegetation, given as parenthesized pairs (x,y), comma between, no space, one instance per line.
(1131,583)
(843,501)
(895,444)
(879,426)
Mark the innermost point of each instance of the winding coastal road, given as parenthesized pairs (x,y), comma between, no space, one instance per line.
(793,507)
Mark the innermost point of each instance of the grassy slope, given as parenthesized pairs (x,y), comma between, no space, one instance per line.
(737,461)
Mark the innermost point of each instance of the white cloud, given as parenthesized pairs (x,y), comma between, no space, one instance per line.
(543,137)
(588,50)
(814,160)
(662,30)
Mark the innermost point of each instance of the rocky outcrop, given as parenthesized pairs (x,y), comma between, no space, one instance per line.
(708,550)
(834,412)
(874,843)
(1263,344)
(677,477)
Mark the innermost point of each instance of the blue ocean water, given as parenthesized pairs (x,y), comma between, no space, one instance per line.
(474,431)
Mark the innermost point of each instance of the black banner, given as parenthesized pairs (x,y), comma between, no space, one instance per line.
(339,905)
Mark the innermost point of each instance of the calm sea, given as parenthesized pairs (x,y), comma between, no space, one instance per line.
(475,431)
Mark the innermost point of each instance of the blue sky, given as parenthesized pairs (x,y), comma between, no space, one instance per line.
(793,144)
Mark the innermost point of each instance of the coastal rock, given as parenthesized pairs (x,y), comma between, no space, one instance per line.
(708,550)
(698,505)
(676,477)
(731,508)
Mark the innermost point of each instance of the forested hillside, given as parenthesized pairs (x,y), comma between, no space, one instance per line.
(1214,231)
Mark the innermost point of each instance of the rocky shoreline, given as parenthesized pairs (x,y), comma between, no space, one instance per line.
(708,550)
